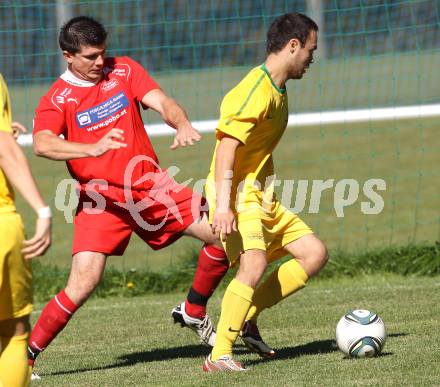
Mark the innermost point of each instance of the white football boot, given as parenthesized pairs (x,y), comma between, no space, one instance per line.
(201,326)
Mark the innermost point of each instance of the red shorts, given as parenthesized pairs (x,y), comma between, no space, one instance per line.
(102,225)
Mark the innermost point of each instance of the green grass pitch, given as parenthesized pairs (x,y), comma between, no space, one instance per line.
(132,342)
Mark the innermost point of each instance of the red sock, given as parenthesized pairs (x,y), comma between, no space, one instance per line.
(211,268)
(54,317)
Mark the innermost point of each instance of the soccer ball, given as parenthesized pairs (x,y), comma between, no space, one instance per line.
(360,333)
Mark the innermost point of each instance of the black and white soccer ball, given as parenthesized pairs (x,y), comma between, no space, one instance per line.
(360,333)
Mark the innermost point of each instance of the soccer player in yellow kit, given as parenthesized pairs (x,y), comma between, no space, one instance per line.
(15,252)
(244,211)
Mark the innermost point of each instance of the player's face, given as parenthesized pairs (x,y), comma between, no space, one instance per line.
(302,57)
(87,64)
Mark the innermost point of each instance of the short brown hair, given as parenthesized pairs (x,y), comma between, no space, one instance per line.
(81,30)
(286,27)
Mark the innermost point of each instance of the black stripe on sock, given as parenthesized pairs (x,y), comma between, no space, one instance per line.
(196,298)
(32,353)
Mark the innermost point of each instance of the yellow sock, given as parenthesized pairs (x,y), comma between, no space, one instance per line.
(235,305)
(284,281)
(14,369)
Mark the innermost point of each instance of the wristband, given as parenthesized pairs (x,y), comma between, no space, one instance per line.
(44,213)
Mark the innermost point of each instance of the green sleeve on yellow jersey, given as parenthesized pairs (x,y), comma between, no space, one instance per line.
(243,108)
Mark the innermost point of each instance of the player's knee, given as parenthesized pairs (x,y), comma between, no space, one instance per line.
(322,256)
(315,258)
(253,263)
(80,291)
(250,278)
(319,254)
(89,287)
(258,272)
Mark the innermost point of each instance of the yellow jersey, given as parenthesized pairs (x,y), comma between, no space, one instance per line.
(6,192)
(255,112)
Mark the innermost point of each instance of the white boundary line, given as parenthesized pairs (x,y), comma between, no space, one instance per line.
(306,119)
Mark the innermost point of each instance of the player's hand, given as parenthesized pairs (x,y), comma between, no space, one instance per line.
(185,136)
(223,223)
(18,129)
(41,241)
(112,140)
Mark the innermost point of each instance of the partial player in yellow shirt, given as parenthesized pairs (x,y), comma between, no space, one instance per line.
(244,211)
(15,252)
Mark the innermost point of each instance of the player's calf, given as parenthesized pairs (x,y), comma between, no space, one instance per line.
(54,317)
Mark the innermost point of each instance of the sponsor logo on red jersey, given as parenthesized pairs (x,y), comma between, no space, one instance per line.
(103,111)
(109,85)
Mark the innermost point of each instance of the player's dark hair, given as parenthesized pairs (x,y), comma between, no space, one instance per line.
(286,27)
(81,30)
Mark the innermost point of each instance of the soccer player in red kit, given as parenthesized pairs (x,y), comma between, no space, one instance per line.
(95,105)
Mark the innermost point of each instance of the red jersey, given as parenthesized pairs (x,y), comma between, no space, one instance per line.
(84,112)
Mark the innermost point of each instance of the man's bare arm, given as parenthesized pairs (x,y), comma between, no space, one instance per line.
(174,115)
(49,145)
(16,168)
(224,220)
